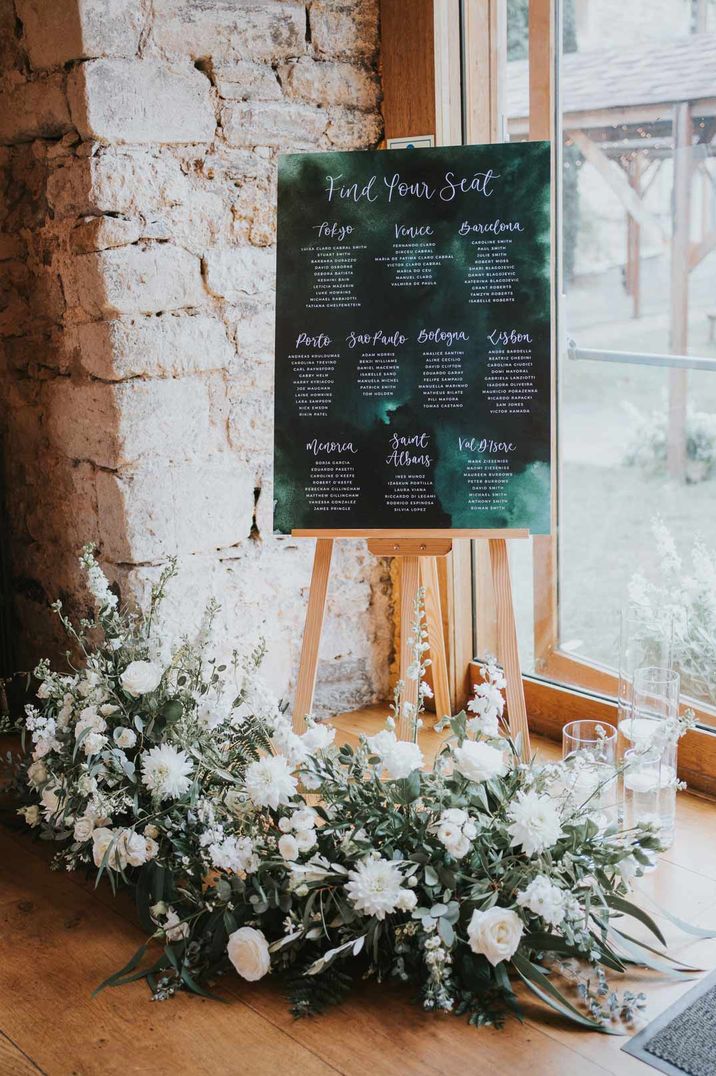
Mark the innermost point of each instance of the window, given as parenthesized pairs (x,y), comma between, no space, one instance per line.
(634,110)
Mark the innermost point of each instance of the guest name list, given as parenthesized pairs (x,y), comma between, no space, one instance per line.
(413,339)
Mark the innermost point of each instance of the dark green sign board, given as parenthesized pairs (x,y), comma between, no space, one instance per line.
(413,340)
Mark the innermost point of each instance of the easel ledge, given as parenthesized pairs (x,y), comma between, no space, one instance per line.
(418,551)
(352,532)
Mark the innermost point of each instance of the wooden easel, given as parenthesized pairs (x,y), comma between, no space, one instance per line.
(418,567)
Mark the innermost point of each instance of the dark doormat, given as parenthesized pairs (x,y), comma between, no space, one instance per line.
(682,1039)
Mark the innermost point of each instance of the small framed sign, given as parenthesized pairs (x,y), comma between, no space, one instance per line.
(411,142)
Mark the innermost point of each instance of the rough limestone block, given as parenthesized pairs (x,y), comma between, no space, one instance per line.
(232,273)
(116,425)
(280,125)
(140,101)
(244,80)
(134,280)
(56,31)
(103,233)
(344,29)
(159,510)
(116,180)
(350,129)
(330,84)
(254,330)
(167,346)
(225,29)
(37,109)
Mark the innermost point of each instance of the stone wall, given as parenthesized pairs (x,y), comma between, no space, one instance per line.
(138,153)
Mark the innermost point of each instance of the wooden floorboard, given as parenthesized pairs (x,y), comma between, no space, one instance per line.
(59,937)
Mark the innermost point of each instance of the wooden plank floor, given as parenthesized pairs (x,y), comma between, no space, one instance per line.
(58,938)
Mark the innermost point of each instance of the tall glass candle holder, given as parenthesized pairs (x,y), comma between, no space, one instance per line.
(642,643)
(589,750)
(642,786)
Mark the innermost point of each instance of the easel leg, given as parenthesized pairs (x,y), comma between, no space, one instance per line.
(508,653)
(308,666)
(436,637)
(409,582)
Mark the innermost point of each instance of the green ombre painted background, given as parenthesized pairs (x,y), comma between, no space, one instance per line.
(520,192)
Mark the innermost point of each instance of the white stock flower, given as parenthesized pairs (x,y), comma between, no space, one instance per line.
(407,900)
(288,846)
(455,831)
(495,934)
(235,854)
(479,761)
(287,743)
(544,899)
(269,781)
(141,677)
(166,771)
(248,951)
(401,758)
(374,887)
(125,738)
(535,822)
(44,691)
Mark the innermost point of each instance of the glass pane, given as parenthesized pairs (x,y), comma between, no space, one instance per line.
(637,246)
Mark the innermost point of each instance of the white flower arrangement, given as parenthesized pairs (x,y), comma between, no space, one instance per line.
(187,782)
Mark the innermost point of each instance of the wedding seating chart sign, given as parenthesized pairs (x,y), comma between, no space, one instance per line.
(413,340)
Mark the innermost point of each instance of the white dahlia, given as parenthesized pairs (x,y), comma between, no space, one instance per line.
(534,822)
(166,771)
(269,782)
(375,887)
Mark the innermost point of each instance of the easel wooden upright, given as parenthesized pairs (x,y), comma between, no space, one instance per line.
(418,554)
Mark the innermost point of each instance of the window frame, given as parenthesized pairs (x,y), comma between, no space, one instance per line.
(565,687)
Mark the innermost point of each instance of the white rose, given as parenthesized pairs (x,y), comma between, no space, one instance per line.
(141,677)
(93,743)
(37,773)
(495,934)
(479,762)
(288,846)
(125,738)
(84,828)
(152,848)
(402,758)
(304,818)
(102,839)
(248,951)
(31,814)
(134,847)
(305,839)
